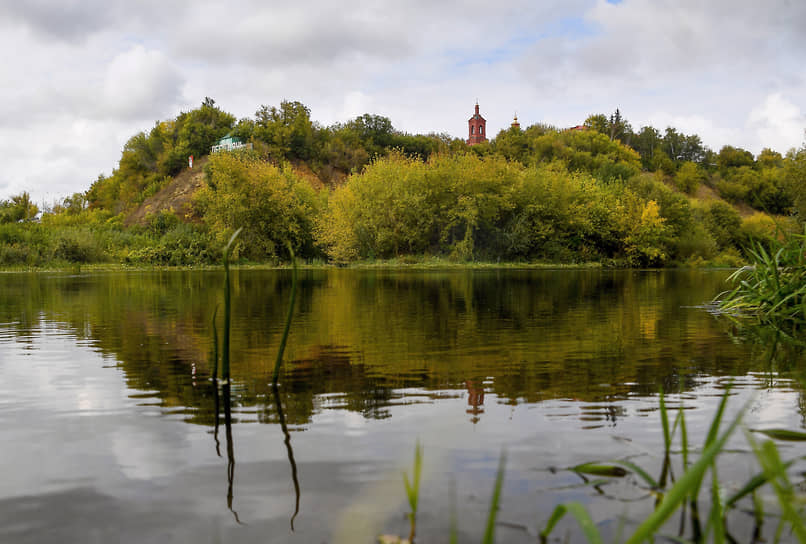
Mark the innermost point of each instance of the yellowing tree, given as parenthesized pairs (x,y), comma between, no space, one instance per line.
(645,244)
(274,206)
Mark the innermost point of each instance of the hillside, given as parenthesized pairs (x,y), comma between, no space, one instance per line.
(177,196)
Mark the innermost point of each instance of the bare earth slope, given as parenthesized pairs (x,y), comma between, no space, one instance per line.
(176,196)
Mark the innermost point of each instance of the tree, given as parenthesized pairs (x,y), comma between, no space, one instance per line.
(19,208)
(619,129)
(795,179)
(274,205)
(769,159)
(646,243)
(287,130)
(734,157)
(599,123)
(615,127)
(647,143)
(688,177)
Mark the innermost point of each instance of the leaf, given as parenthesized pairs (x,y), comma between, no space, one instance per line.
(595,469)
(782,434)
(489,533)
(580,514)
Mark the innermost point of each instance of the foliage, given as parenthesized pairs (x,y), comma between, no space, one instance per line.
(795,179)
(774,287)
(178,245)
(148,159)
(688,177)
(646,241)
(723,222)
(579,150)
(537,193)
(273,205)
(18,208)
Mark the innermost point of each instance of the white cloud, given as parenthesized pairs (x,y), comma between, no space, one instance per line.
(87,75)
(138,82)
(777,122)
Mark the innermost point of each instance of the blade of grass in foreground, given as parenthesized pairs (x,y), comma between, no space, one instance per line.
(489,533)
(664,420)
(275,376)
(580,514)
(775,471)
(413,488)
(687,484)
(782,434)
(225,346)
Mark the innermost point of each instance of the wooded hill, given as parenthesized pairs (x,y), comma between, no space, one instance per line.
(362,190)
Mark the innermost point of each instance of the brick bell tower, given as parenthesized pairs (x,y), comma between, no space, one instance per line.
(476,128)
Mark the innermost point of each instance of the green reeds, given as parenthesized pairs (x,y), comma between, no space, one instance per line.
(775,473)
(489,532)
(278,362)
(225,342)
(774,287)
(413,488)
(685,489)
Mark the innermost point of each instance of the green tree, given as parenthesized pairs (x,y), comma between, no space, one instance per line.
(287,130)
(734,157)
(18,208)
(723,222)
(274,206)
(795,179)
(646,242)
(688,177)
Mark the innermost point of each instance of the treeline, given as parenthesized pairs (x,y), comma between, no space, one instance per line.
(603,193)
(467,207)
(278,134)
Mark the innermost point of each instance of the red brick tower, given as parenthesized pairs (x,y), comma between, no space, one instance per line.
(476,128)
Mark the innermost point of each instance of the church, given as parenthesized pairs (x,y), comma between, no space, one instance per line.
(477,128)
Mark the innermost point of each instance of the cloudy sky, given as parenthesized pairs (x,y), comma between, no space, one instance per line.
(80,77)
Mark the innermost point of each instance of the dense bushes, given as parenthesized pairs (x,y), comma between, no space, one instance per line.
(274,206)
(468,207)
(535,194)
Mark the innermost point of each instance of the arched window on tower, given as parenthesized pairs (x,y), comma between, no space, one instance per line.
(472,129)
(481,130)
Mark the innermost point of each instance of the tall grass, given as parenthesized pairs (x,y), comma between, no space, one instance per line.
(680,497)
(774,286)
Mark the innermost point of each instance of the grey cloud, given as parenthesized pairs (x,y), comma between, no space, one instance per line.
(68,20)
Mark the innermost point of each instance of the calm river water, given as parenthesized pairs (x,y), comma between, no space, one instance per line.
(113,429)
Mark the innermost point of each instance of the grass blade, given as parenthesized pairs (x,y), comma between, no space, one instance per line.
(489,532)
(276,374)
(664,420)
(640,472)
(582,517)
(687,484)
(774,469)
(413,488)
(227,312)
(782,434)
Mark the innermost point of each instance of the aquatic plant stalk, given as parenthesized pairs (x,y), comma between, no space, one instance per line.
(276,374)
(489,532)
(225,347)
(413,488)
(775,470)
(287,441)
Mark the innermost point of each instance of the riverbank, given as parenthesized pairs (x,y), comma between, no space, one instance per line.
(401,263)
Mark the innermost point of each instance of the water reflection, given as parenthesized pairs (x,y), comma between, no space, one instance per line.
(225,392)
(287,442)
(594,336)
(553,364)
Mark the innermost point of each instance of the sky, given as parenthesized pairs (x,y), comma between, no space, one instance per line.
(81,77)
